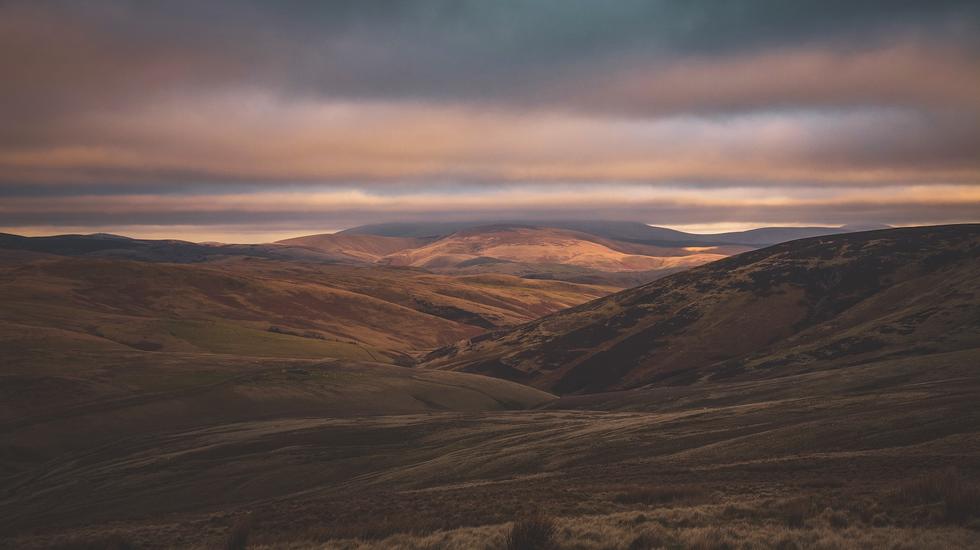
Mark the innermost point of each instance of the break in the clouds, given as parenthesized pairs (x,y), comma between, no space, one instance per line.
(303,116)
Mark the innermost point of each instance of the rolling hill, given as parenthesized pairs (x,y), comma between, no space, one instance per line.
(366,248)
(611,253)
(63,400)
(616,230)
(258,307)
(543,246)
(532,251)
(819,303)
(167,250)
(622,254)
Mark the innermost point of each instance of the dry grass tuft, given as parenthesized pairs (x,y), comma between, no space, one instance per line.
(653,538)
(794,512)
(704,528)
(835,518)
(957,497)
(711,538)
(533,532)
(238,536)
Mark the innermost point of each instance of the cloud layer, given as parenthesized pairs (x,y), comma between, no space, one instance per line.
(319,115)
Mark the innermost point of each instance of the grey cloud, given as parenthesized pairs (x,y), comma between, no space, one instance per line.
(507,50)
(66,63)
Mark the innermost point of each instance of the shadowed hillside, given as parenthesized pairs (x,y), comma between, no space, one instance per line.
(77,400)
(818,303)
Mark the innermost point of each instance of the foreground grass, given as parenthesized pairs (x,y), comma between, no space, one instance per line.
(928,511)
(701,527)
(837,469)
(938,509)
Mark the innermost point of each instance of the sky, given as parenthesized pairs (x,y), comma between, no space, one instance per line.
(251,121)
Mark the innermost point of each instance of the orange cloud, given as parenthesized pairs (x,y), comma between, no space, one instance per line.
(257,137)
(901,74)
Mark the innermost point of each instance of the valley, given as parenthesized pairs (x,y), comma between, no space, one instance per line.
(816,393)
(262,307)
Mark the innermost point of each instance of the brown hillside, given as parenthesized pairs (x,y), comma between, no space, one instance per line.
(367,248)
(817,303)
(544,246)
(264,307)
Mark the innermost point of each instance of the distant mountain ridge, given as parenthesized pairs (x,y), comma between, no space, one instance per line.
(619,230)
(613,253)
(619,253)
(165,250)
(522,249)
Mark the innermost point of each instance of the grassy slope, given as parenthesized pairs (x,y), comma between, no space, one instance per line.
(817,303)
(524,251)
(228,307)
(97,349)
(368,248)
(543,246)
(56,401)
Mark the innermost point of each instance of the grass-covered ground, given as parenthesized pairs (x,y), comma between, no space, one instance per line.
(871,462)
(261,308)
(156,407)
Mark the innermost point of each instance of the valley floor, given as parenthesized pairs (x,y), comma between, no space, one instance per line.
(890,465)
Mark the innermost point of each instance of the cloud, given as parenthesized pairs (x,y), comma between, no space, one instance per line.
(109,100)
(263,138)
(890,76)
(68,56)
